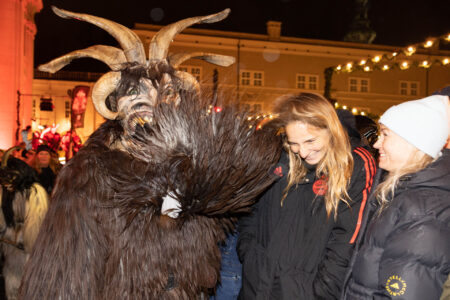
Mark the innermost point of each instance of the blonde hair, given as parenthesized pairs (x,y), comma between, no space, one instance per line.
(337,164)
(384,193)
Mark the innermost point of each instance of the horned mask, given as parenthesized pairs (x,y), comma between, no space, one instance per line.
(130,90)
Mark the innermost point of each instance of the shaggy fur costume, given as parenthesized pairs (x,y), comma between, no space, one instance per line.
(104,236)
(24,203)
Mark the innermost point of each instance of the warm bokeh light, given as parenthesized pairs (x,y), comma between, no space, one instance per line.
(362,62)
(445,61)
(385,67)
(404,65)
(428,44)
(410,50)
(367,68)
(354,110)
(376,58)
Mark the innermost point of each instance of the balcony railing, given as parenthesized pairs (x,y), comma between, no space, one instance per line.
(68,75)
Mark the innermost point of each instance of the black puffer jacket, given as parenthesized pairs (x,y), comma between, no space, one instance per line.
(294,251)
(406,250)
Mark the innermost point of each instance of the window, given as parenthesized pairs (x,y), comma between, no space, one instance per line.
(357,84)
(67,109)
(252,78)
(409,88)
(307,82)
(193,70)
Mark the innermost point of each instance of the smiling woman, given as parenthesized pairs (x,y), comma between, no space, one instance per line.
(406,243)
(298,240)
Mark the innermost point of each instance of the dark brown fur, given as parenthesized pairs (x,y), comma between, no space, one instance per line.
(104,236)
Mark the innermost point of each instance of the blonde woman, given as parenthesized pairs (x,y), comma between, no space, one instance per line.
(405,252)
(298,240)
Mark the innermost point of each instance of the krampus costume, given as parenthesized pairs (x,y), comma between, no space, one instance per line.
(24,203)
(139,211)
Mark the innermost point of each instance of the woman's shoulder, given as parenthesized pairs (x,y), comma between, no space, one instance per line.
(363,158)
(422,201)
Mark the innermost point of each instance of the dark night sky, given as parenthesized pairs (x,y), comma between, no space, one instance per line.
(396,22)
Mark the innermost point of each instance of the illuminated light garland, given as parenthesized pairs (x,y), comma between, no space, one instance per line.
(372,63)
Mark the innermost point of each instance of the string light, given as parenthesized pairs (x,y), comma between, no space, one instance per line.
(410,50)
(404,65)
(425,64)
(354,110)
(428,44)
(399,58)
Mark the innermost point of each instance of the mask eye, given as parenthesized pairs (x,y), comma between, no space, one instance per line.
(132,91)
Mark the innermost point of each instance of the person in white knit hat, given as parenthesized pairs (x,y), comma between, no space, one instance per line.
(404,251)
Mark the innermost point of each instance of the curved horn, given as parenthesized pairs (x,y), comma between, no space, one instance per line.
(112,56)
(7,154)
(160,42)
(188,81)
(221,60)
(102,88)
(128,40)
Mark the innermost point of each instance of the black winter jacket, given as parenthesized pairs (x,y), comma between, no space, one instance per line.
(406,250)
(293,251)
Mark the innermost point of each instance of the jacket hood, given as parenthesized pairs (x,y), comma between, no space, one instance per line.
(436,175)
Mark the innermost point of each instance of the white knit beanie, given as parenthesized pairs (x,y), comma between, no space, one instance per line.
(423,123)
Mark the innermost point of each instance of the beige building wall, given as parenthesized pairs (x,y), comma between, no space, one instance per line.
(57,91)
(279,61)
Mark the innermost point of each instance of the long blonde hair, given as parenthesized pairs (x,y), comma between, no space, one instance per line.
(337,164)
(384,192)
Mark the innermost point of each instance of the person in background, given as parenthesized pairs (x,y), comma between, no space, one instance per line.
(298,240)
(230,270)
(45,167)
(28,157)
(26,137)
(404,250)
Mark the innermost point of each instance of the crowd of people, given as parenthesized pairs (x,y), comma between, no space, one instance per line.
(338,224)
(350,216)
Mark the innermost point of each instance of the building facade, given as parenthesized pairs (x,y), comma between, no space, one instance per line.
(268,66)
(16,66)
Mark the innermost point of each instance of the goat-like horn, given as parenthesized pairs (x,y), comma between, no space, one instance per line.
(128,40)
(221,60)
(189,82)
(112,56)
(102,88)
(160,42)
(7,154)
